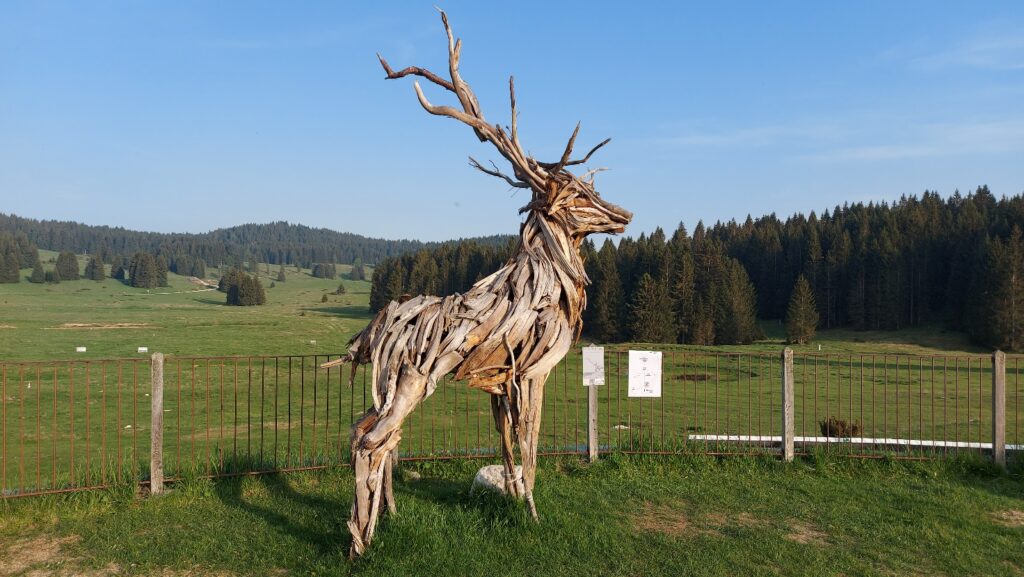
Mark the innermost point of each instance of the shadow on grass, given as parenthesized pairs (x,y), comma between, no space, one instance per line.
(347,311)
(290,511)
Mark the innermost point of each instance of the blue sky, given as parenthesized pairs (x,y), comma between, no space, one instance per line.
(189,116)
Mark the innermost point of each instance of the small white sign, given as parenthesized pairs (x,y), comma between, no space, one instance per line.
(644,373)
(593,366)
(79,349)
(313,342)
(143,349)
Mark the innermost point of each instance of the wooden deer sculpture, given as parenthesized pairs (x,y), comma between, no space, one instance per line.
(504,335)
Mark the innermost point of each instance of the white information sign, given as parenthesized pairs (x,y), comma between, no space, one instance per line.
(79,349)
(143,349)
(644,373)
(593,366)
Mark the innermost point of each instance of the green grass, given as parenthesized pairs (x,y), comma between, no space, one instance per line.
(622,516)
(187,321)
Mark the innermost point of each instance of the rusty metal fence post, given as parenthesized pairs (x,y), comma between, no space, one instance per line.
(999,408)
(787,405)
(156,451)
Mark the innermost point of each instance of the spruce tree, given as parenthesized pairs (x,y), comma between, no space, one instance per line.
(802,313)
(38,275)
(650,310)
(67,265)
(94,268)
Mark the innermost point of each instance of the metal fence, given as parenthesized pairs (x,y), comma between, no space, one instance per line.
(76,425)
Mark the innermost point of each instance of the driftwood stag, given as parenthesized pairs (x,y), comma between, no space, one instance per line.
(504,335)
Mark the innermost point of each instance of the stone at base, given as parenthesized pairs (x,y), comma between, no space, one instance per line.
(492,478)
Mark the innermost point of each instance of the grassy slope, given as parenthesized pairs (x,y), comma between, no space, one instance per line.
(622,516)
(184,322)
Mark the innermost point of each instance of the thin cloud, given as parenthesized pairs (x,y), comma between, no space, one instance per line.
(758,136)
(1004,52)
(935,140)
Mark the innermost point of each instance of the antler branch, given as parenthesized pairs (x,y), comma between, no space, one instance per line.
(527,171)
(499,174)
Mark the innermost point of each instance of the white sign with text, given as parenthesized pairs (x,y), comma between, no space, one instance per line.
(644,373)
(593,366)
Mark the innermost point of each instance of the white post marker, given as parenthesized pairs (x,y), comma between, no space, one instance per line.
(644,373)
(593,377)
(593,366)
(79,349)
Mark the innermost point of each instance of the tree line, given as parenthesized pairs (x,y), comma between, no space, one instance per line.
(920,261)
(274,243)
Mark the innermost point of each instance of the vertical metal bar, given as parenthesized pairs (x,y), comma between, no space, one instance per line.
(120,463)
(885,395)
(234,414)
(3,441)
(21,447)
(717,387)
(863,423)
(39,430)
(88,476)
(103,421)
(220,400)
(618,397)
(288,435)
(71,420)
(192,409)
(315,458)
(771,402)
(206,378)
(302,407)
(956,403)
(181,409)
(263,407)
(327,412)
(135,416)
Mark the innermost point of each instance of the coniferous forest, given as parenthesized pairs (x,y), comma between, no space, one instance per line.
(922,261)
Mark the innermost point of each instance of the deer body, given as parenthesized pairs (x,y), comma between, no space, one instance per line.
(504,335)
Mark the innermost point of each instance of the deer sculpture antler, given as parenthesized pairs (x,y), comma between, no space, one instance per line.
(504,335)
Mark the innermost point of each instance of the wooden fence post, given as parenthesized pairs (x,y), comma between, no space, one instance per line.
(787,404)
(592,438)
(999,408)
(156,436)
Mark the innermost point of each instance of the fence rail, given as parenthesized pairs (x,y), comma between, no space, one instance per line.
(76,425)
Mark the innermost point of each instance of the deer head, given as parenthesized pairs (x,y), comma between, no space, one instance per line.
(558,196)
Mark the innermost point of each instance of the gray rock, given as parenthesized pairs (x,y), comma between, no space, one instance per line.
(492,478)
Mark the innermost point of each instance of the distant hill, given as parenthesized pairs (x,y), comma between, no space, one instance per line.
(274,243)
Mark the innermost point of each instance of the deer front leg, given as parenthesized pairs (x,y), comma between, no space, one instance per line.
(531,402)
(374,439)
(503,423)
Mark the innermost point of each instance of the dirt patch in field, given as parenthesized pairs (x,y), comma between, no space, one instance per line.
(47,556)
(25,554)
(673,520)
(8,327)
(95,326)
(1009,518)
(663,519)
(805,533)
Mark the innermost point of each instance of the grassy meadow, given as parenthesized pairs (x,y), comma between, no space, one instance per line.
(111,319)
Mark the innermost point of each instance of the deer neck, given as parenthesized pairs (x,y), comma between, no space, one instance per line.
(545,241)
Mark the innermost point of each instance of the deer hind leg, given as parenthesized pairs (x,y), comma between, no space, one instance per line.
(503,423)
(374,439)
(531,403)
